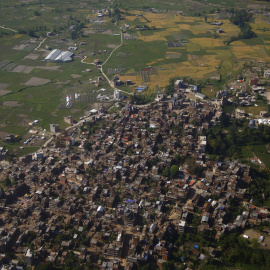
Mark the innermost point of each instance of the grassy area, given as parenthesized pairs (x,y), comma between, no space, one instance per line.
(28,150)
(204,50)
(261,152)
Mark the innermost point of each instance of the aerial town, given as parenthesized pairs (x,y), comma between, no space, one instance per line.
(115,191)
(135,135)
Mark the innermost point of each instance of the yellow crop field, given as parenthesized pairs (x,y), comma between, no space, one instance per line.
(184,26)
(128,77)
(244,52)
(204,60)
(187,19)
(260,50)
(243,49)
(17,36)
(207,42)
(173,55)
(238,43)
(199,35)
(151,38)
(191,47)
(156,16)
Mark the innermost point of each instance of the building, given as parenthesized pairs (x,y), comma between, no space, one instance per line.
(29,257)
(58,56)
(253,81)
(54,128)
(181,226)
(200,96)
(117,94)
(178,83)
(68,119)
(266,73)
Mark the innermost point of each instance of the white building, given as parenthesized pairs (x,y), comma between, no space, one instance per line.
(59,56)
(117,94)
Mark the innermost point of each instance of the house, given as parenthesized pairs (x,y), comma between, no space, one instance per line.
(266,73)
(200,96)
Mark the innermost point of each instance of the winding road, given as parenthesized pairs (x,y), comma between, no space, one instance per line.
(9,29)
(101,66)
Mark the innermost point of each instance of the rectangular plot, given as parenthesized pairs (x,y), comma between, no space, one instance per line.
(9,67)
(3,64)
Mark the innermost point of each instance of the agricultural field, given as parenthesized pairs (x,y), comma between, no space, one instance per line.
(188,46)
(33,89)
(161,40)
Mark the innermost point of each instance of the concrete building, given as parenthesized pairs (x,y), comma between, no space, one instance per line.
(54,128)
(29,257)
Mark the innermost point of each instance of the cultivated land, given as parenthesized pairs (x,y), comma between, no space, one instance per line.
(173,39)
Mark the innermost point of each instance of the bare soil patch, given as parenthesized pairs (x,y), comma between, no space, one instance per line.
(173,55)
(107,32)
(32,56)
(19,47)
(24,120)
(88,32)
(34,81)
(112,46)
(255,235)
(75,110)
(45,54)
(11,103)
(65,82)
(3,135)
(4,92)
(3,86)
(49,67)
(23,69)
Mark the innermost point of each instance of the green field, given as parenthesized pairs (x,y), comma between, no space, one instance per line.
(152,29)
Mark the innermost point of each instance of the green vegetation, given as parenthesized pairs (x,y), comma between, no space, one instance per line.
(237,140)
(241,18)
(142,99)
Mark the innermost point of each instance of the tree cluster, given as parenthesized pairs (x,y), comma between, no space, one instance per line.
(241,19)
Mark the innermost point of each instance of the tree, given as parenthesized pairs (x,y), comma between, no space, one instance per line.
(36,13)
(174,171)
(7,182)
(45,266)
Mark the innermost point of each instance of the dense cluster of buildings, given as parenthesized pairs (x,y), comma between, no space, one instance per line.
(112,203)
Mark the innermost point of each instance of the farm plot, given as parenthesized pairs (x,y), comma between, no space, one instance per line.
(172,55)
(32,56)
(19,47)
(65,105)
(23,69)
(7,65)
(113,71)
(34,81)
(11,103)
(3,90)
(146,73)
